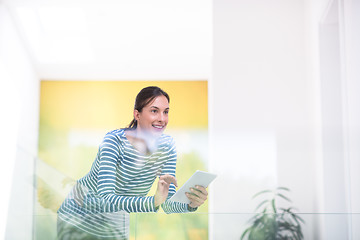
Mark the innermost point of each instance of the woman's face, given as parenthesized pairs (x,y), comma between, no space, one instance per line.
(154,117)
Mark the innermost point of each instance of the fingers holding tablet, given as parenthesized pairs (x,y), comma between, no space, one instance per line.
(196,186)
(197,196)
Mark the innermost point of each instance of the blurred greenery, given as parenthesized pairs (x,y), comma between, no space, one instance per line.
(146,226)
(71,108)
(73,162)
(182,226)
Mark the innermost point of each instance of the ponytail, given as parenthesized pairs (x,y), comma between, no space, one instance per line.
(133,124)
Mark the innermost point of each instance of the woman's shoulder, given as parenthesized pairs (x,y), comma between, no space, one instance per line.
(115,135)
(118,131)
(166,140)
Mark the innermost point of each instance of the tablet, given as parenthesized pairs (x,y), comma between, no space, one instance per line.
(198,178)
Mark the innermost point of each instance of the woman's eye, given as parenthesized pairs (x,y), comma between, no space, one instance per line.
(166,112)
(154,111)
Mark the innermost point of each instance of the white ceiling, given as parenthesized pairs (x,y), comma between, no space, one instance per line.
(116,40)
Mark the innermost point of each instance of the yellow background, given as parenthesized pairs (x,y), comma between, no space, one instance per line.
(109,104)
(73,109)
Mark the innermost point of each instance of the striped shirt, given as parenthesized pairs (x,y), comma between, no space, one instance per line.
(117,184)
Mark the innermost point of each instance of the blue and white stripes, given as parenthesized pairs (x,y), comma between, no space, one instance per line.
(118,182)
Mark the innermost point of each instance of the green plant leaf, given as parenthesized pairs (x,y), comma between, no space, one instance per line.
(283,188)
(273,205)
(261,204)
(296,217)
(282,196)
(260,193)
(245,232)
(292,214)
(289,210)
(274,223)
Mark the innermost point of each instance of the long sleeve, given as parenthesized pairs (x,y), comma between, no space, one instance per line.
(109,156)
(118,183)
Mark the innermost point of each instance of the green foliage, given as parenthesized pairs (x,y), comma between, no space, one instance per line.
(72,162)
(183,226)
(273,223)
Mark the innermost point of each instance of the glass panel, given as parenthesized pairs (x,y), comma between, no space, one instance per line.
(233,226)
(170,226)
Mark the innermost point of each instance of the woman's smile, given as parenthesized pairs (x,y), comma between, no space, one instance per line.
(153,118)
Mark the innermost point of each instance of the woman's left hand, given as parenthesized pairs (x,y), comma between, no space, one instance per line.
(197,196)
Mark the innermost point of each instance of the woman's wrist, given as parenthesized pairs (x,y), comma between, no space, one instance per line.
(156,204)
(191,209)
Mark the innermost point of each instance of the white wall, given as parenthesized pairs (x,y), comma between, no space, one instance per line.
(262,103)
(283,99)
(19,128)
(334,31)
(352,60)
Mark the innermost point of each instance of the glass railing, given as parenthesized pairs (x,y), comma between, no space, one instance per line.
(34,203)
(247,225)
(219,226)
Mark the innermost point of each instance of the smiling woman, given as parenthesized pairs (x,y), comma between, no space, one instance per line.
(127,163)
(155,103)
(154,116)
(150,118)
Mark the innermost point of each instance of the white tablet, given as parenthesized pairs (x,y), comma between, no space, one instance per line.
(198,178)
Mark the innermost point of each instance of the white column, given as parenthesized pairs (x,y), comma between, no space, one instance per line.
(19,99)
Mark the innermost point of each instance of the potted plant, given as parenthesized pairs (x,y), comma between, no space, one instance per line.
(272,222)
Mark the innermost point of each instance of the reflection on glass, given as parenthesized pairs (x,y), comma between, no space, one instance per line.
(84,215)
(114,190)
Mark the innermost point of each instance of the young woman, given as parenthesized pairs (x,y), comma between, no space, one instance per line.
(127,163)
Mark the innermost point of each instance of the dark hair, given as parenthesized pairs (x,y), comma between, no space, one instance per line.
(144,97)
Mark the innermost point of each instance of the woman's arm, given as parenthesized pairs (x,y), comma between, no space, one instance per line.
(109,155)
(170,168)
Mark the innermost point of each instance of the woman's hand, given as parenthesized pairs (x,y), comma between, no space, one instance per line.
(197,196)
(163,188)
